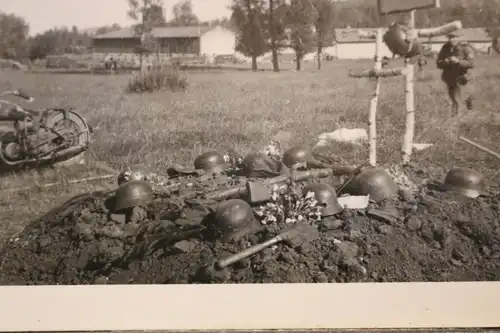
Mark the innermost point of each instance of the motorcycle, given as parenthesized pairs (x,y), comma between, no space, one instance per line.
(40,136)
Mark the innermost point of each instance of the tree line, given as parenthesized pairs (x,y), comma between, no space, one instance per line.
(308,25)
(261,25)
(16,43)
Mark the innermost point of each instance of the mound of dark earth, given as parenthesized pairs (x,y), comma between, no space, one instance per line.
(432,236)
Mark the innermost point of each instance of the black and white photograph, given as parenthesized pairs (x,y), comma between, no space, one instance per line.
(249,141)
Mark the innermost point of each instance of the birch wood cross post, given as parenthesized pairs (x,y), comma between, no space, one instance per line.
(377,72)
(410,103)
(372,118)
(410,84)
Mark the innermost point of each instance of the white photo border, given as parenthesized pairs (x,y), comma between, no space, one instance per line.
(250,306)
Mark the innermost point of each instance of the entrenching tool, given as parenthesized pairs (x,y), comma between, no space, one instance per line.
(295,236)
(244,189)
(337,170)
(258,192)
(301,156)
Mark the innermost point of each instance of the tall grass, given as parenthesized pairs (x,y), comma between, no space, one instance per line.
(157,78)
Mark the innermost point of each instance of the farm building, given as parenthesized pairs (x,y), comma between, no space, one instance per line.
(349,45)
(173,41)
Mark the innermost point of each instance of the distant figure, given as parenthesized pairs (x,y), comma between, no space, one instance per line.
(455,58)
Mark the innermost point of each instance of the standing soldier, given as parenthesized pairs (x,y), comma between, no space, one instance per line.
(455,59)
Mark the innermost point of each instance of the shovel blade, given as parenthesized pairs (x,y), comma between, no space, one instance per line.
(300,234)
(258,192)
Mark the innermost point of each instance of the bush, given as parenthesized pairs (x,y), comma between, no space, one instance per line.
(157,78)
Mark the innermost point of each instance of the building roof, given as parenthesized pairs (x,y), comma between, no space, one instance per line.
(352,35)
(159,32)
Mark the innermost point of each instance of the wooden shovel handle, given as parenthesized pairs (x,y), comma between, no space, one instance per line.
(223,263)
(337,169)
(296,176)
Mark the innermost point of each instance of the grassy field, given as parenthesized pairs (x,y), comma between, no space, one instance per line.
(244,111)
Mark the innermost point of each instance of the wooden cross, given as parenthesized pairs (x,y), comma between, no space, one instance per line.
(391,7)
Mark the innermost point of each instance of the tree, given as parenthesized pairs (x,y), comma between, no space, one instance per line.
(301,18)
(277,12)
(148,14)
(323,25)
(183,14)
(58,41)
(250,20)
(13,36)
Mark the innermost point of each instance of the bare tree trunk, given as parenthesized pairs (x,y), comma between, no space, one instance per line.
(319,44)
(251,18)
(319,50)
(254,63)
(274,48)
(298,61)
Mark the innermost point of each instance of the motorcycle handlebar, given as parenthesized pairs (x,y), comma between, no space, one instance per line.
(19,93)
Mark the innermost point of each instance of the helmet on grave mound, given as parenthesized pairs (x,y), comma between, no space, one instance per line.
(401,41)
(295,155)
(260,165)
(234,219)
(211,162)
(326,197)
(375,182)
(133,172)
(133,193)
(465,181)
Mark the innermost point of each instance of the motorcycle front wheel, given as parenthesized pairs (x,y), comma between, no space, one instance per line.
(72,127)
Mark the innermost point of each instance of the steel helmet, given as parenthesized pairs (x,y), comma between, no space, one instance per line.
(326,196)
(211,162)
(296,155)
(133,172)
(465,181)
(399,41)
(375,182)
(234,219)
(133,193)
(260,165)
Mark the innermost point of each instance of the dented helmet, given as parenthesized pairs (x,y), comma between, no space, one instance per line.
(234,219)
(399,41)
(326,197)
(133,172)
(260,165)
(296,155)
(466,181)
(211,162)
(133,193)
(375,182)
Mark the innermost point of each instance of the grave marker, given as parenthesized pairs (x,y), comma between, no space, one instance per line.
(403,6)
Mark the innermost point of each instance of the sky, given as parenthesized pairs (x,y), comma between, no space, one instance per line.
(45,14)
